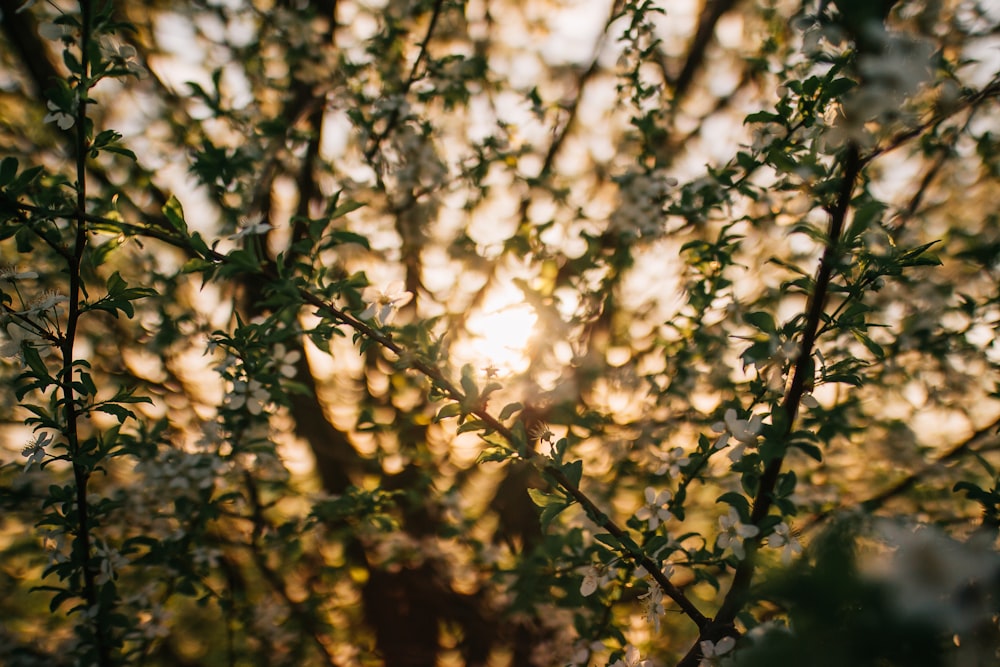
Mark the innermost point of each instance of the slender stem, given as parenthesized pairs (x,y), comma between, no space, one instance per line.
(81,471)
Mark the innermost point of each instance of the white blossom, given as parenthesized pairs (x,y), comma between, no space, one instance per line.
(581,656)
(890,76)
(745,431)
(12,348)
(655,510)
(418,163)
(819,39)
(54,31)
(809,401)
(772,368)
(782,538)
(652,605)
(712,651)
(383,304)
(34,450)
(10,274)
(252,395)
(593,578)
(667,570)
(205,557)
(671,461)
(154,622)
(764,134)
(641,197)
(252,226)
(543,434)
(47,300)
(899,68)
(285,360)
(61,118)
(111,561)
(123,55)
(734,532)
(630,659)
(54,542)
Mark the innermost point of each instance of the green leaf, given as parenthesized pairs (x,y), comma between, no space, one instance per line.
(919,256)
(472,425)
(8,169)
(551,512)
(495,453)
(608,539)
(71,62)
(175,214)
(969,487)
(737,500)
(23,238)
(786,484)
(838,87)
(450,410)
(865,217)
(345,208)
(520,436)
(44,418)
(116,411)
(810,450)
(469,383)
(489,389)
(120,150)
(746,161)
(761,320)
(574,471)
(120,296)
(342,236)
(61,596)
(872,346)
(542,498)
(763,117)
(35,363)
(509,410)
(23,180)
(197,265)
(105,137)
(86,385)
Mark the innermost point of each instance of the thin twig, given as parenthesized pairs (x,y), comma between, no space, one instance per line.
(390,125)
(879,499)
(81,472)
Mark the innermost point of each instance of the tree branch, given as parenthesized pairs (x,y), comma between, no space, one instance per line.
(722,624)
(493,425)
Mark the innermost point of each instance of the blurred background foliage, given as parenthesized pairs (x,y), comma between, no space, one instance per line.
(580,206)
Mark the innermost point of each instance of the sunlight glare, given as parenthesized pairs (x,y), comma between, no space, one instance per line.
(499,334)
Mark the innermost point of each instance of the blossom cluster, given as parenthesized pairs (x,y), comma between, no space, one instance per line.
(642,197)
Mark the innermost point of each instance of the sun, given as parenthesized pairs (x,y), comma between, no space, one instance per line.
(499,333)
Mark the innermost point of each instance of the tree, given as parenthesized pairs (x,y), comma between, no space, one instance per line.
(431,332)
